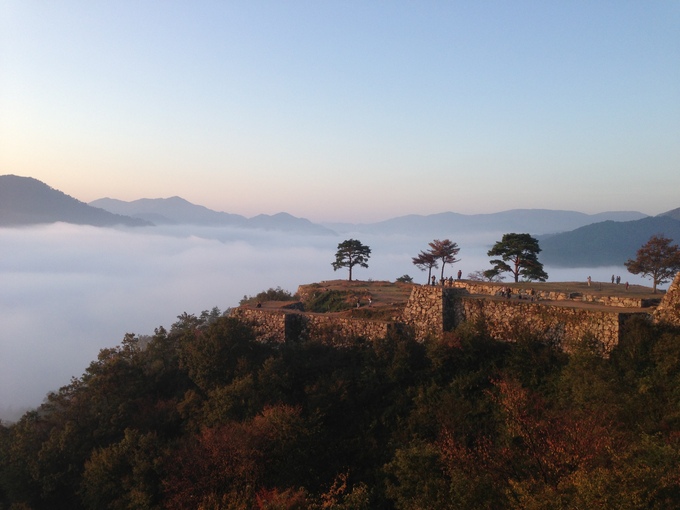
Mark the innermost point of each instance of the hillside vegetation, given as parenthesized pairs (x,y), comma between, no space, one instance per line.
(608,243)
(203,415)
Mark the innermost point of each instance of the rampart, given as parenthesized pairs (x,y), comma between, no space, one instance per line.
(563,318)
(479,288)
(432,311)
(668,310)
(279,325)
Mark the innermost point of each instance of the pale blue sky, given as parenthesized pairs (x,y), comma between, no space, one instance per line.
(346,111)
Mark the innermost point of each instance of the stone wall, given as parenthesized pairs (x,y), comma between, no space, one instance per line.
(269,325)
(288,325)
(562,326)
(433,310)
(668,310)
(491,289)
(331,328)
(430,310)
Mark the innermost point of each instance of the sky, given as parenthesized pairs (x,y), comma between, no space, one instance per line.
(353,111)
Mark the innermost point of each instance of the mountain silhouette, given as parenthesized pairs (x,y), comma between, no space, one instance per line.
(674,213)
(448,224)
(28,201)
(567,238)
(169,211)
(178,211)
(605,243)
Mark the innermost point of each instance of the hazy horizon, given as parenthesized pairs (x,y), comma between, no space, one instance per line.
(404,213)
(341,221)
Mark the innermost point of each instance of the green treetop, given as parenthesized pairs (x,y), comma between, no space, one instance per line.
(518,255)
(657,259)
(351,253)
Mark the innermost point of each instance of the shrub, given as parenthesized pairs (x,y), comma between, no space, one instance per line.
(328,301)
(277,294)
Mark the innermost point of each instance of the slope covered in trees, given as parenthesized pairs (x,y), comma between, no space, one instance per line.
(204,416)
(608,243)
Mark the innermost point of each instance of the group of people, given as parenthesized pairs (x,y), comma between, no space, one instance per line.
(615,279)
(507,293)
(369,301)
(446,281)
(618,280)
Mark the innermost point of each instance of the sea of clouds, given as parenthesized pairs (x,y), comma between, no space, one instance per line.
(67,291)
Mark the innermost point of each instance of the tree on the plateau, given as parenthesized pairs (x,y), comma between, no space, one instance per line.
(518,255)
(657,259)
(481,276)
(351,253)
(445,252)
(425,261)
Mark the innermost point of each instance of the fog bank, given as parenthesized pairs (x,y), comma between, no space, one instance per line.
(68,291)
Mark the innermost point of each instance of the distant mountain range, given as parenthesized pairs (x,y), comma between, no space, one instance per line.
(533,221)
(27,201)
(177,211)
(567,238)
(606,243)
(168,211)
(675,214)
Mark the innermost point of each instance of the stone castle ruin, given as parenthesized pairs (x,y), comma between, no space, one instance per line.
(668,310)
(563,318)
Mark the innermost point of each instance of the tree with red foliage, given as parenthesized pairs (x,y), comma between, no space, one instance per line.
(657,259)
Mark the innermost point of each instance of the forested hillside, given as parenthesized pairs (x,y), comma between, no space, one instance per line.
(204,416)
(608,243)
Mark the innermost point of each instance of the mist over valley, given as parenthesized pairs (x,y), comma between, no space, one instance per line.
(69,290)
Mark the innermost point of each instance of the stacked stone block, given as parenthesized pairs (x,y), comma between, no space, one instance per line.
(560,325)
(282,325)
(489,289)
(433,310)
(668,310)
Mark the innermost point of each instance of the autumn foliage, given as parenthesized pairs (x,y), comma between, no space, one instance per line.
(206,416)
